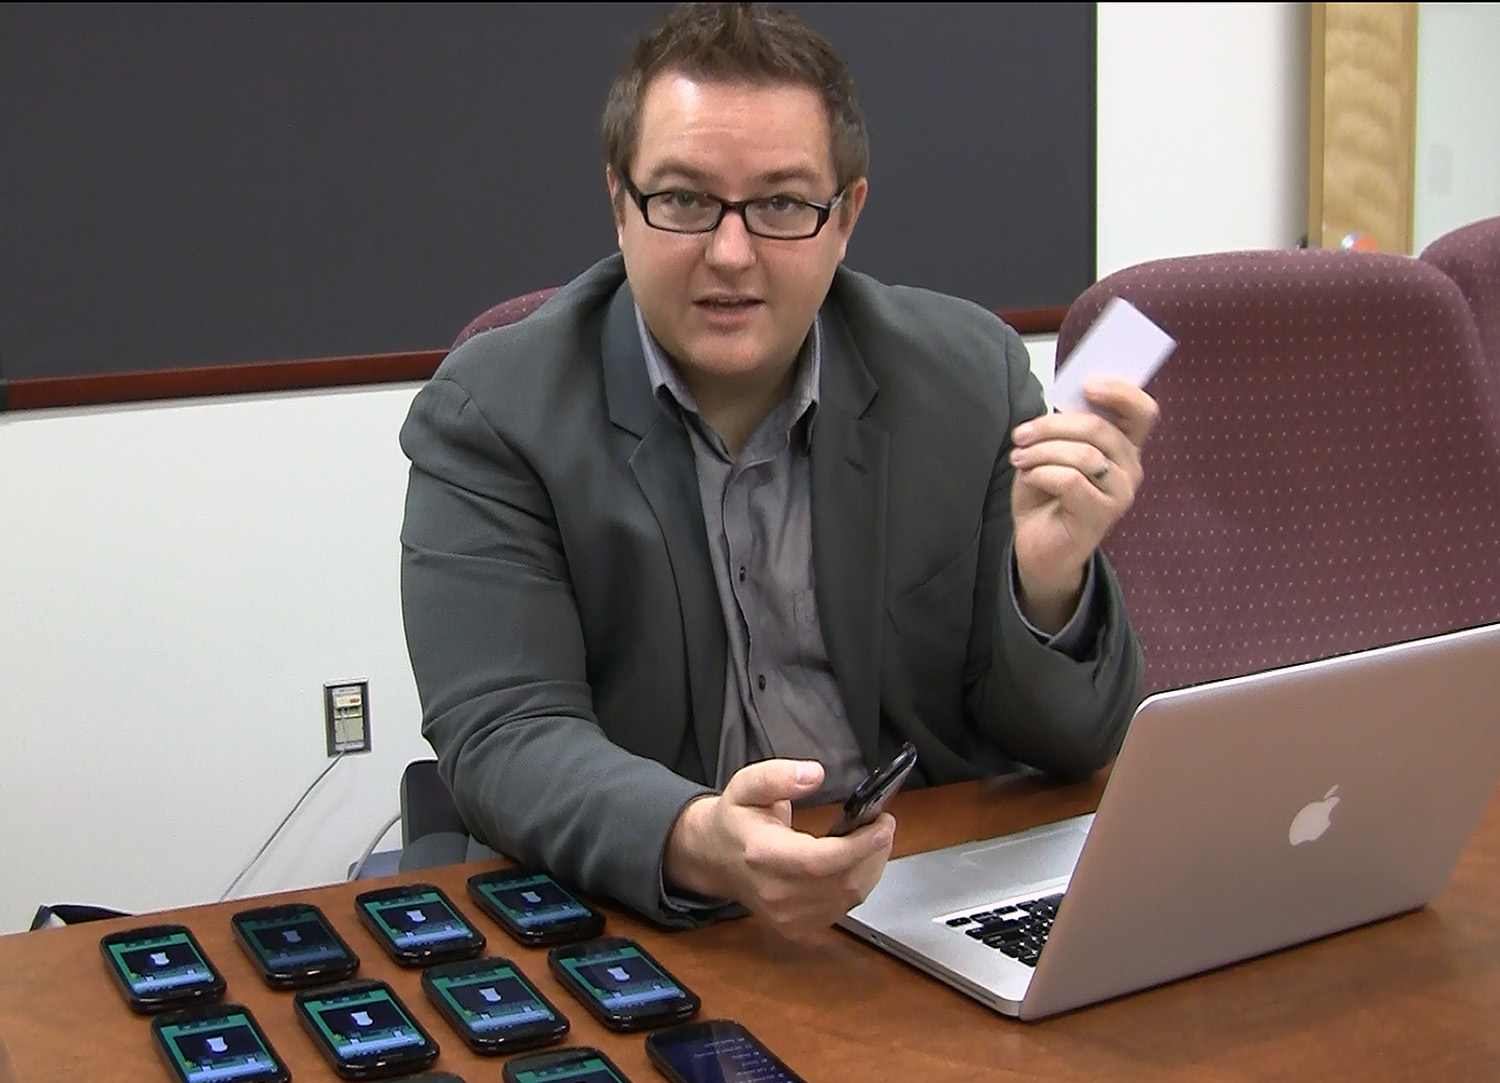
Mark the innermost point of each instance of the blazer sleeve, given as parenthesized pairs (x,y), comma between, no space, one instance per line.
(497,650)
(1065,716)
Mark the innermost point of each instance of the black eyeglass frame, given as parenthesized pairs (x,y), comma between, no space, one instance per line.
(726,207)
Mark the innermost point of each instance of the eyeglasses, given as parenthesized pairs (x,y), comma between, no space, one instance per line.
(779,217)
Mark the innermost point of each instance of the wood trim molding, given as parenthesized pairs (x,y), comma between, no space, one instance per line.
(1035,321)
(117,387)
(1362,124)
(113,387)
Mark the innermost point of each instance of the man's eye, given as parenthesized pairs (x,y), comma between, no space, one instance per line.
(780,204)
(687,199)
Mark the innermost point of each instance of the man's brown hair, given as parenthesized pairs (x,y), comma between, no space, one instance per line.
(754,43)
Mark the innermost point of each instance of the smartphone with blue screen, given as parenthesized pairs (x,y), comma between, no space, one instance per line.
(160,967)
(533,908)
(212,1042)
(293,946)
(620,984)
(492,1005)
(364,1030)
(418,925)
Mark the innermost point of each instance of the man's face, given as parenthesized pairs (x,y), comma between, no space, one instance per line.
(729,305)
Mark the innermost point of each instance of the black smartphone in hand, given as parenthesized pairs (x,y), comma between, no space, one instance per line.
(575,1064)
(217,1042)
(492,1005)
(715,1051)
(364,1030)
(418,925)
(293,946)
(869,798)
(159,967)
(534,908)
(620,984)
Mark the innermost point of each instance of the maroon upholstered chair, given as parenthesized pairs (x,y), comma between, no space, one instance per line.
(1325,475)
(509,311)
(1470,255)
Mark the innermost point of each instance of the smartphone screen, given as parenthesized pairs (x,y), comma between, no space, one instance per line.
(218,1042)
(534,908)
(715,1051)
(417,925)
(293,945)
(624,987)
(576,1064)
(492,1005)
(364,1030)
(159,967)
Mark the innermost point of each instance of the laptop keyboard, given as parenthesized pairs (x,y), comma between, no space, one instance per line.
(1015,929)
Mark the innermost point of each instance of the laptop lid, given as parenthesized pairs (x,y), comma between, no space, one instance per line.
(1241,817)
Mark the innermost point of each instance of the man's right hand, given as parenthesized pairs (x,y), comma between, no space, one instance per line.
(740,845)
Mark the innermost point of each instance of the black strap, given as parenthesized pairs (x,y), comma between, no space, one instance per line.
(73,914)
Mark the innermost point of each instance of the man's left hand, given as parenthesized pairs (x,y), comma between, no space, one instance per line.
(1076,474)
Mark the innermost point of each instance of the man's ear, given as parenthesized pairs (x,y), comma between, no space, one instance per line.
(616,201)
(848,211)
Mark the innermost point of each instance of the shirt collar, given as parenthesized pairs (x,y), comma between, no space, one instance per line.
(670,391)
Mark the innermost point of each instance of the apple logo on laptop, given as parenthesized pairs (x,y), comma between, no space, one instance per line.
(1310,823)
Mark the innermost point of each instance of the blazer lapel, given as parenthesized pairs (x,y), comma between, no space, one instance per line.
(849,462)
(662,462)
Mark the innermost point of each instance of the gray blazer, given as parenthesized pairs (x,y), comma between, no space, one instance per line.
(560,608)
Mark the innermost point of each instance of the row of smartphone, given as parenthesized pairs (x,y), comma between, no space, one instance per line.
(365,1031)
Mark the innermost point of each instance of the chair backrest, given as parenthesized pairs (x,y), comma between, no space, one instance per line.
(508,311)
(1470,255)
(427,807)
(1325,475)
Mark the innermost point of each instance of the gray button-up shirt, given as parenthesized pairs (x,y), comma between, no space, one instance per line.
(780,696)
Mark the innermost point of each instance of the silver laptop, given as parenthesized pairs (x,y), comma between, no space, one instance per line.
(1241,817)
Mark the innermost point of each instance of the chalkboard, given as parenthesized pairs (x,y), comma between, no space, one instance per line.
(184,185)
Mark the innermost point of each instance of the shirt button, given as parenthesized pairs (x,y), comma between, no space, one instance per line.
(760,682)
(742,574)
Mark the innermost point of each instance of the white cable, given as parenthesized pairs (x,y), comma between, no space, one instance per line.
(364,858)
(265,845)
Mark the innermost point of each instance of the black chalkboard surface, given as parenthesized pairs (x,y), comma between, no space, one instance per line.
(187,185)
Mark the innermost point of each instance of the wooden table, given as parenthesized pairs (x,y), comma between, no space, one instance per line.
(1413,998)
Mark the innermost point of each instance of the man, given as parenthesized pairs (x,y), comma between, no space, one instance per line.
(723,524)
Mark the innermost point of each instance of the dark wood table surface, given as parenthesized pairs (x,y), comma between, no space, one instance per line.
(1413,998)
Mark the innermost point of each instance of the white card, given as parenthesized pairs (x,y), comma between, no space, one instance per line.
(1123,344)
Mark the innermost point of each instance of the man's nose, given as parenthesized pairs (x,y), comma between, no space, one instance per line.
(732,244)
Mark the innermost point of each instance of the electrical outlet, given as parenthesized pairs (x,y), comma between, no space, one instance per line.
(346,714)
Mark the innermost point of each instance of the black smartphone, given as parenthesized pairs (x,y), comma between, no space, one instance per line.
(158,967)
(364,1030)
(293,945)
(715,1051)
(869,798)
(575,1064)
(494,1007)
(210,1042)
(534,908)
(621,984)
(417,925)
